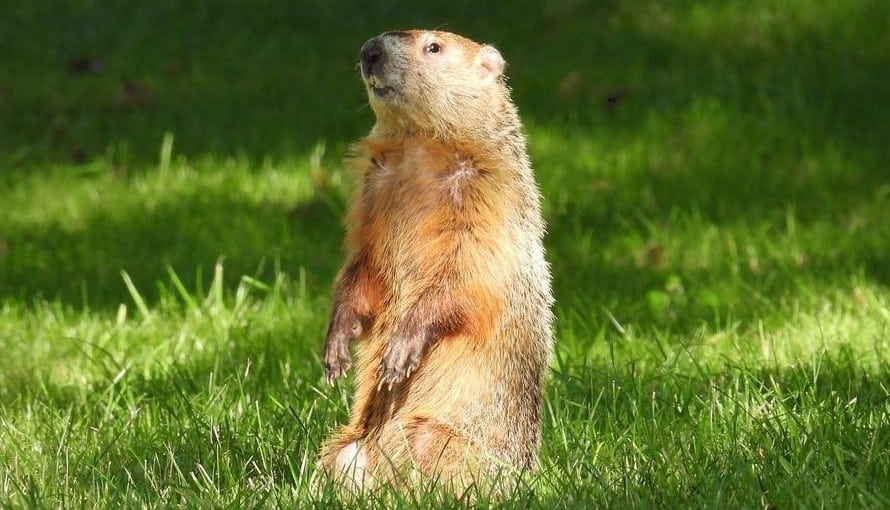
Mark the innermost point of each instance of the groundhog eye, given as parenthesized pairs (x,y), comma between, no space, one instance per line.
(433,48)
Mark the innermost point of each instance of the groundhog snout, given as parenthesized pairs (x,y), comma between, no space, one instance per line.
(372,56)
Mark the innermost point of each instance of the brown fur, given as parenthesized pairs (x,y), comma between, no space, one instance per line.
(445,286)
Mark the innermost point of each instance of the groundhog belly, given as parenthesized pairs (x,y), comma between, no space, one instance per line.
(425,213)
(462,386)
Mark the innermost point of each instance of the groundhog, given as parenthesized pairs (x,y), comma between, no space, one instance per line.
(445,288)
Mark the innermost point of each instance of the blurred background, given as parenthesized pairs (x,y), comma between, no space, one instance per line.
(696,158)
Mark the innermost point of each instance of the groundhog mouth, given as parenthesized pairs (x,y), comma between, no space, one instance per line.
(383,92)
(378,88)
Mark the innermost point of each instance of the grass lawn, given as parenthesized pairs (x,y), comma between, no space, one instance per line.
(717,192)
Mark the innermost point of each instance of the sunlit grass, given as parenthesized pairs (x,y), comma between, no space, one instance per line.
(718,206)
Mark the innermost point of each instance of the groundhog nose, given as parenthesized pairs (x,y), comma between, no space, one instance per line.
(372,56)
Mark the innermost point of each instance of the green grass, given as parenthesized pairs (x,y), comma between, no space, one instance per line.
(719,234)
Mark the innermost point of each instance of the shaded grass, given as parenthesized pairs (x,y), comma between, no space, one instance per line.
(718,206)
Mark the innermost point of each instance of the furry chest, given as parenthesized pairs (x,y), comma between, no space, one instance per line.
(414,206)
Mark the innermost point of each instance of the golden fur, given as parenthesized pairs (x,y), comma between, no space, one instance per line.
(445,286)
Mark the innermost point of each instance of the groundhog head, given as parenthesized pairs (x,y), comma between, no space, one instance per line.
(437,82)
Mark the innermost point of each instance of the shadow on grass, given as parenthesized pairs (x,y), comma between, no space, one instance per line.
(275,79)
(83,267)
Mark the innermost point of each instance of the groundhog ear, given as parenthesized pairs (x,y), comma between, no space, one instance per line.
(489,64)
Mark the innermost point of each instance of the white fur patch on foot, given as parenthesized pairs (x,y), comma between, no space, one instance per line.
(352,463)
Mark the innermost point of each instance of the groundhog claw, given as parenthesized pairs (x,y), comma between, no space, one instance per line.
(337,359)
(336,371)
(336,365)
(401,357)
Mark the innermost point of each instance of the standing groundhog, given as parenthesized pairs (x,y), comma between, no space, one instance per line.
(445,286)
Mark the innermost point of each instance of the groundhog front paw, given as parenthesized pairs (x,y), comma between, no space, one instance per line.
(401,357)
(337,359)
